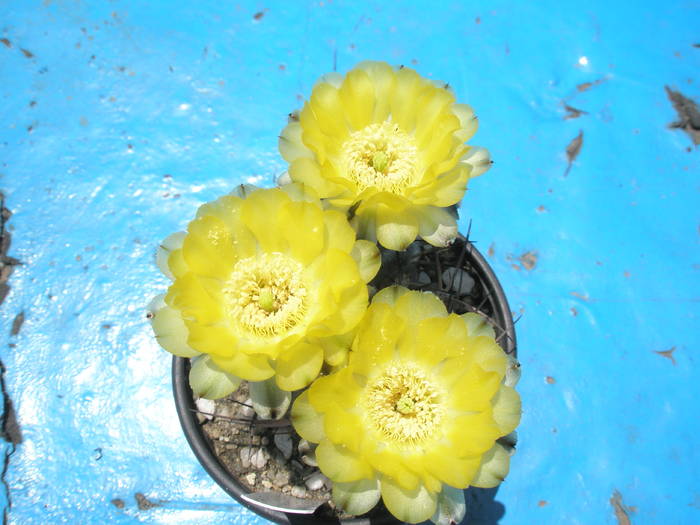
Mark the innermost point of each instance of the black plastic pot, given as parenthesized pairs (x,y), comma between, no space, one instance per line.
(203,449)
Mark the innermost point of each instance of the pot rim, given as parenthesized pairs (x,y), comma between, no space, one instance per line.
(198,441)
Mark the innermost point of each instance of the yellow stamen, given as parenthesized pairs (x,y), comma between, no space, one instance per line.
(265,295)
(381,156)
(404,404)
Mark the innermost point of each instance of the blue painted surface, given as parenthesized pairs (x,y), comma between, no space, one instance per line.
(142,111)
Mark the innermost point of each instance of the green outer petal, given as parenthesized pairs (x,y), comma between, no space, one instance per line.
(209,381)
(389,295)
(411,506)
(479,159)
(356,497)
(170,330)
(451,506)
(512,372)
(170,243)
(396,229)
(467,120)
(368,259)
(300,192)
(494,468)
(478,325)
(298,366)
(437,226)
(506,409)
(290,144)
(307,422)
(339,464)
(269,402)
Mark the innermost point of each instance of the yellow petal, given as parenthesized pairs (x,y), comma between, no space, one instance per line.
(506,409)
(190,296)
(474,389)
(473,434)
(407,90)
(339,234)
(249,367)
(446,190)
(357,95)
(207,248)
(301,226)
(307,421)
(343,427)
(339,464)
(494,468)
(260,213)
(368,258)
(376,339)
(411,506)
(431,108)
(415,306)
(454,471)
(328,110)
(214,340)
(298,366)
(383,78)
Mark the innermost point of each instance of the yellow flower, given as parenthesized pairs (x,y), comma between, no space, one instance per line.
(417,410)
(265,284)
(391,143)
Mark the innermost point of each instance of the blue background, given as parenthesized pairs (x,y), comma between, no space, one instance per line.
(122,117)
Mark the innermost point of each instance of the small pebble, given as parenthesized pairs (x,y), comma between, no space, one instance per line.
(316,481)
(284,443)
(259,458)
(266,484)
(457,280)
(207,406)
(247,410)
(281,478)
(245,453)
(298,492)
(250,478)
(423,278)
(304,446)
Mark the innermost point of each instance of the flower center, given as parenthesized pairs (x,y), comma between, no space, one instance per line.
(265,295)
(404,405)
(380,156)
